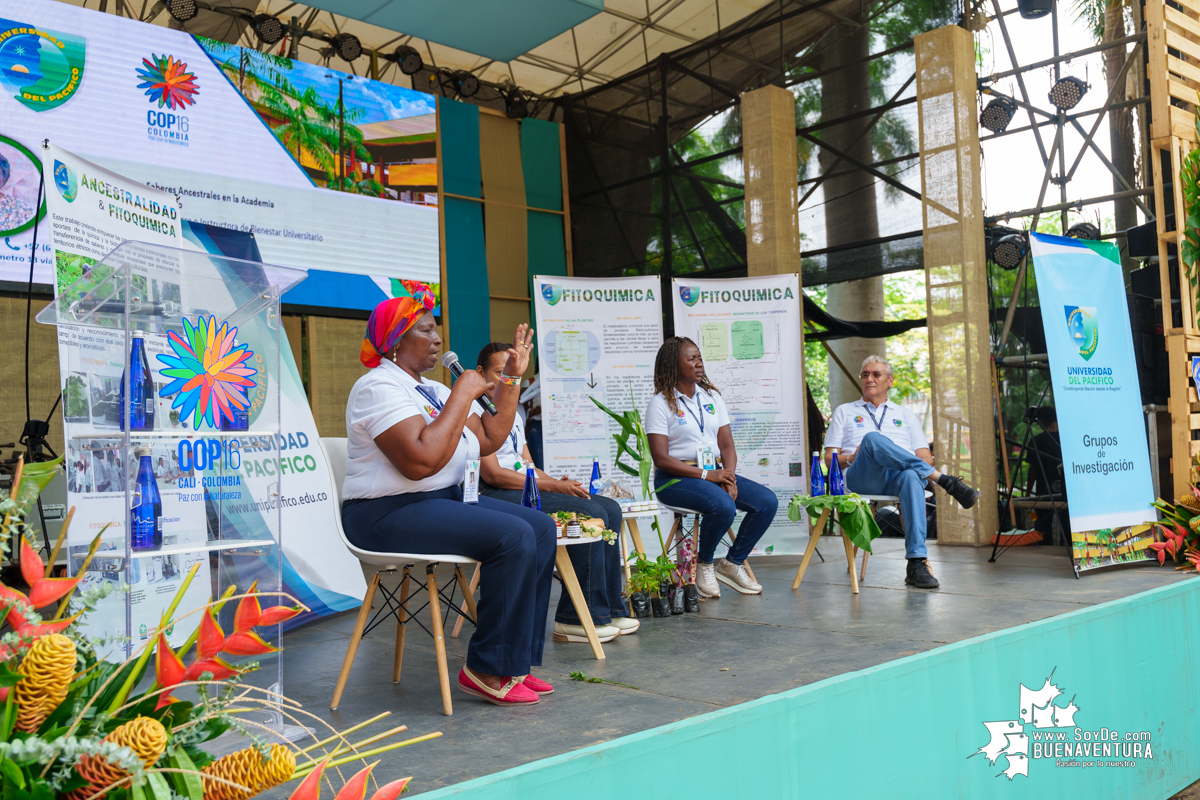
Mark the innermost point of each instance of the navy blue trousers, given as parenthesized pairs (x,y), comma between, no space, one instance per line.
(717,510)
(515,546)
(596,565)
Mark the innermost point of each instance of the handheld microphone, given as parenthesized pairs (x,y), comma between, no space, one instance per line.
(450,362)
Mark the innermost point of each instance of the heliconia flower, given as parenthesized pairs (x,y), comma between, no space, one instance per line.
(390,791)
(277,614)
(32,568)
(310,787)
(45,628)
(356,787)
(211,639)
(42,591)
(248,610)
(247,643)
(16,603)
(168,668)
(218,667)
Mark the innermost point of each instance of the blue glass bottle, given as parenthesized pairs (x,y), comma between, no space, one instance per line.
(529,495)
(594,487)
(816,484)
(837,483)
(141,388)
(145,518)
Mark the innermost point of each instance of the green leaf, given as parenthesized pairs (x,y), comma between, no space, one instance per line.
(36,477)
(199,757)
(12,773)
(8,676)
(189,786)
(157,784)
(137,792)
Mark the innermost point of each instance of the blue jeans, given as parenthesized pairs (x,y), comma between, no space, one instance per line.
(514,545)
(883,467)
(596,565)
(717,511)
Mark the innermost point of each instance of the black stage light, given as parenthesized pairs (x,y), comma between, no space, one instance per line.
(1067,93)
(1084,230)
(182,10)
(998,113)
(268,29)
(408,58)
(1034,9)
(516,103)
(347,46)
(466,83)
(1005,246)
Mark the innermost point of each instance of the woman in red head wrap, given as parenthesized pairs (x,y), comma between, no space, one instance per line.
(409,444)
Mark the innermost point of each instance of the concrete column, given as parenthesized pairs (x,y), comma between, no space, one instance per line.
(956,281)
(769,158)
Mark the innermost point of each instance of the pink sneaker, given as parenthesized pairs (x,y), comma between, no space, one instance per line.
(537,684)
(512,693)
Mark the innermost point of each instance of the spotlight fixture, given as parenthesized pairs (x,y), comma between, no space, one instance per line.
(1005,246)
(516,102)
(1067,93)
(347,46)
(268,29)
(465,83)
(182,10)
(998,113)
(408,58)
(1034,9)
(1084,230)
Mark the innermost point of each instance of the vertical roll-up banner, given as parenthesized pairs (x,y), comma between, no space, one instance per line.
(748,330)
(1105,457)
(597,337)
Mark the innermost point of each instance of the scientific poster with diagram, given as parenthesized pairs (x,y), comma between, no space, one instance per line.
(748,330)
(597,337)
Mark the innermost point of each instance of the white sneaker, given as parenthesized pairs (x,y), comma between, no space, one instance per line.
(706,581)
(626,625)
(735,575)
(576,633)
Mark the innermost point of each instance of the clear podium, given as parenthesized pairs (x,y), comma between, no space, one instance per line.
(204,418)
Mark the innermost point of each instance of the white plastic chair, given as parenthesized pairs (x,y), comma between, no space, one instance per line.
(335,457)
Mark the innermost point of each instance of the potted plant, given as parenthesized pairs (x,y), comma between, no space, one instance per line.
(642,579)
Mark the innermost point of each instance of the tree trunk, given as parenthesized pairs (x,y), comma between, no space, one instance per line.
(850,212)
(1120,124)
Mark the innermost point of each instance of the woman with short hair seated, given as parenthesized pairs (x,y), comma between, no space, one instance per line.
(690,441)
(597,565)
(409,442)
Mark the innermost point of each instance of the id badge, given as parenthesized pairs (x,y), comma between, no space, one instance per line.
(471,482)
(706,457)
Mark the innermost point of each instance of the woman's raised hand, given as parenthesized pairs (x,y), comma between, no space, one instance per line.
(518,354)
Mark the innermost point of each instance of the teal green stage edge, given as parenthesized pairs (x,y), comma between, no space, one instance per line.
(466,272)
(907,728)
(459,123)
(541,161)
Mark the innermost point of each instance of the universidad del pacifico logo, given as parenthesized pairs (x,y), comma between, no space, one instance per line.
(1045,729)
(1083,325)
(43,68)
(170,89)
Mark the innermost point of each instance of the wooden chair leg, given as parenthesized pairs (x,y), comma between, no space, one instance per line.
(850,560)
(401,628)
(439,639)
(468,592)
(636,536)
(850,566)
(352,650)
(676,527)
(814,536)
(571,584)
(467,589)
(862,576)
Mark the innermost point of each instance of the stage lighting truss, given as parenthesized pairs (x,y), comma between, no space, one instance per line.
(465,83)
(408,58)
(516,102)
(268,29)
(1084,230)
(347,46)
(1006,246)
(998,113)
(182,10)
(1067,93)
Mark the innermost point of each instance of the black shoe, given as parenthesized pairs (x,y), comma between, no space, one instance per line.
(965,495)
(919,574)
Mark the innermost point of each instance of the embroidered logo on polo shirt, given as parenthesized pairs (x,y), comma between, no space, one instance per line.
(897,423)
(431,411)
(709,407)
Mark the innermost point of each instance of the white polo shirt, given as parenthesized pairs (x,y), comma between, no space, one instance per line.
(695,424)
(510,454)
(383,397)
(852,421)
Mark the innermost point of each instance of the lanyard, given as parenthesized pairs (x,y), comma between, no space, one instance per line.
(700,419)
(882,417)
(432,397)
(513,436)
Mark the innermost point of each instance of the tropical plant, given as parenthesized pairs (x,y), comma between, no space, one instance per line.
(249,67)
(73,726)
(303,127)
(1189,250)
(853,515)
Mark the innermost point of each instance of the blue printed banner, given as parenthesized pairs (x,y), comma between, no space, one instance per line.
(1106,463)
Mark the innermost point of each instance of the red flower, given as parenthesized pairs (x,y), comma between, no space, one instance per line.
(247,643)
(310,787)
(212,639)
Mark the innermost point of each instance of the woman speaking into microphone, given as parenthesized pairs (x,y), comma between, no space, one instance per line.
(410,442)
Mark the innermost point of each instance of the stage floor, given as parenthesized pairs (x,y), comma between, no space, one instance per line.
(736,649)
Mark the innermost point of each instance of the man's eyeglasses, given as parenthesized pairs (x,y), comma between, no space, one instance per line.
(876,375)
